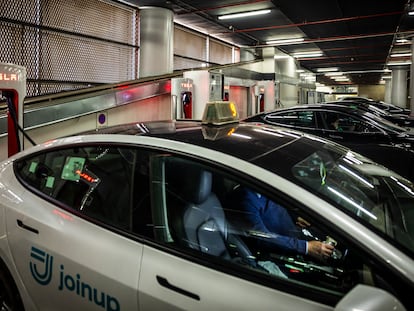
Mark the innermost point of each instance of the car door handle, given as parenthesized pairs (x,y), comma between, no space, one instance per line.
(26,227)
(164,282)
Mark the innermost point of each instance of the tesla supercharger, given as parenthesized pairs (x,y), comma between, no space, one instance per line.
(13,91)
(260,98)
(182,97)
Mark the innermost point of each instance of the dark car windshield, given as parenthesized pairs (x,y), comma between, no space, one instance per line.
(385,124)
(374,195)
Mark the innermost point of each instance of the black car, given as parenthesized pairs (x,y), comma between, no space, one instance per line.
(388,107)
(393,109)
(400,119)
(361,131)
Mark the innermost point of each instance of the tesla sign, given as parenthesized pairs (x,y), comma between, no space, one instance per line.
(8,76)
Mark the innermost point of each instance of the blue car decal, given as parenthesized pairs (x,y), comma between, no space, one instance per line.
(41,268)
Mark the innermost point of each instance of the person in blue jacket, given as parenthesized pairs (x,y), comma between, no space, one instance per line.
(275,227)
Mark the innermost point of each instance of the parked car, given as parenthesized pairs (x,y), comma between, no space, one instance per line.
(390,108)
(137,217)
(402,120)
(361,131)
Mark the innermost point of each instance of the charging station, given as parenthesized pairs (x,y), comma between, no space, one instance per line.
(182,96)
(13,92)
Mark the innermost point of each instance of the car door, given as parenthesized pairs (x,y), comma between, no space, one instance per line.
(202,257)
(174,274)
(169,282)
(71,257)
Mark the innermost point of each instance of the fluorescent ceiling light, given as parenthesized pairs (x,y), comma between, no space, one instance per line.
(310,78)
(411,13)
(307,54)
(386,77)
(281,56)
(285,41)
(402,41)
(400,54)
(330,74)
(327,69)
(399,63)
(244,14)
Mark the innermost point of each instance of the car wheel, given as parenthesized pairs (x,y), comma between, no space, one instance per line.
(9,295)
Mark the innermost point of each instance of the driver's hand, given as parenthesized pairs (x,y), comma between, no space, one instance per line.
(319,249)
(302,222)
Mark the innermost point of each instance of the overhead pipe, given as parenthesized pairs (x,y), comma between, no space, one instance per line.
(356,47)
(328,21)
(343,56)
(344,63)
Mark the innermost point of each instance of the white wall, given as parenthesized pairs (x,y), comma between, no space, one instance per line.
(201,94)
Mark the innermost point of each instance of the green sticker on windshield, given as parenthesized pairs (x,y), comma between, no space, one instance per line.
(72,169)
(33,167)
(50,182)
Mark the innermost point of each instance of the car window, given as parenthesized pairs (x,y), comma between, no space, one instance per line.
(103,183)
(209,214)
(337,121)
(304,119)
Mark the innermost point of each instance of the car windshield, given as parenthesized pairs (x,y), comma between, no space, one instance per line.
(385,124)
(375,196)
(378,111)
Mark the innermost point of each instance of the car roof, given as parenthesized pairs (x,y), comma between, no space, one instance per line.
(247,141)
(259,144)
(331,106)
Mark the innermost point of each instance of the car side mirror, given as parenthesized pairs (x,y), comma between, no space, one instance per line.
(368,298)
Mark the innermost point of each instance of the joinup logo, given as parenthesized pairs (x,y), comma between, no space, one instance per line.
(41,267)
(43,275)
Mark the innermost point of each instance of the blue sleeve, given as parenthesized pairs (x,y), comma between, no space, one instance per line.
(256,210)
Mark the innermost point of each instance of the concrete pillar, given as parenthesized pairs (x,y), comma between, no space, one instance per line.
(399,86)
(156,41)
(411,104)
(387,93)
(269,64)
(247,54)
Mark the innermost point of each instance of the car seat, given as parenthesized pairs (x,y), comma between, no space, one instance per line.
(196,217)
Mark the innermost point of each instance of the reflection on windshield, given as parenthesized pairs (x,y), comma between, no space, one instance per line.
(372,193)
(388,125)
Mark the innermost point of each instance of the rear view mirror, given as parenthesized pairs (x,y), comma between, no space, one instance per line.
(368,298)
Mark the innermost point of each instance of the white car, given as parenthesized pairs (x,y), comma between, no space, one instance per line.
(144,217)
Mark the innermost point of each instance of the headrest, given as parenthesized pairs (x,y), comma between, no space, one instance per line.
(189,180)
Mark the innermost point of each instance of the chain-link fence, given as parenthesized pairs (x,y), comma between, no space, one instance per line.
(67,45)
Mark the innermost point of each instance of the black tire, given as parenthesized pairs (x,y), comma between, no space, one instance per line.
(9,295)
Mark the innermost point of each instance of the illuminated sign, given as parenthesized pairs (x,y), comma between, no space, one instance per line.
(8,76)
(187,85)
(86,177)
(233,109)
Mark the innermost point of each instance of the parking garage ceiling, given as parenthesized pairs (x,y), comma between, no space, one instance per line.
(356,37)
